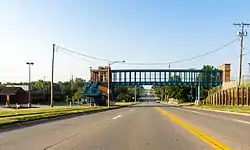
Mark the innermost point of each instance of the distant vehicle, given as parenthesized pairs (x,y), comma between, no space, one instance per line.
(157,101)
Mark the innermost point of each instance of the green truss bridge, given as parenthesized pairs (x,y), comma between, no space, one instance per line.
(96,89)
(170,77)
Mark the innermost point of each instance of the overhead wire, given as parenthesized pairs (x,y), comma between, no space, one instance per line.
(164,63)
(81,54)
(187,59)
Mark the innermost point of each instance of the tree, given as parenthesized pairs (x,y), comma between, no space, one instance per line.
(127,92)
(122,97)
(206,77)
(77,95)
(79,82)
(63,88)
(185,92)
(40,85)
(66,89)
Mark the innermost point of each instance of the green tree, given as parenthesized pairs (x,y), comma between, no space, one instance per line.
(66,89)
(78,94)
(206,77)
(122,97)
(41,85)
(127,92)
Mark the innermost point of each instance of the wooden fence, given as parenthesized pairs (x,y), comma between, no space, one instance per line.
(234,96)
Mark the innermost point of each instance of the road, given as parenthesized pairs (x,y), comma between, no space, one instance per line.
(147,126)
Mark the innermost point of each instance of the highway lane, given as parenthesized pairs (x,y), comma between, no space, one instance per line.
(232,130)
(134,128)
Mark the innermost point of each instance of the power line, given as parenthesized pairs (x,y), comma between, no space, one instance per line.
(187,59)
(164,63)
(81,54)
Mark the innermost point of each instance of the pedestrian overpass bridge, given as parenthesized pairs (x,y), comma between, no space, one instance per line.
(101,78)
(170,77)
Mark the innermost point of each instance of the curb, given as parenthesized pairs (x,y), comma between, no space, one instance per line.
(55,118)
(219,111)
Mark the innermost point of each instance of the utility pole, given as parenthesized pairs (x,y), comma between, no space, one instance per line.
(44,96)
(108,91)
(52,77)
(72,86)
(241,34)
(249,67)
(135,93)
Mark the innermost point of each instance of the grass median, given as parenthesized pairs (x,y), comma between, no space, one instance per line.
(239,109)
(18,116)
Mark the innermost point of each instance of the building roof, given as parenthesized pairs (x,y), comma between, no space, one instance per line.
(24,87)
(10,90)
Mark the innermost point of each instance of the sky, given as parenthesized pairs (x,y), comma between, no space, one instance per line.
(137,31)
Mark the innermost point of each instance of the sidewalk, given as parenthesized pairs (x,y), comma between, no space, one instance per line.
(228,111)
(221,111)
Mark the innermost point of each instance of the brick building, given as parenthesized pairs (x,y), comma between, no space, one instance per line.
(13,95)
(101,75)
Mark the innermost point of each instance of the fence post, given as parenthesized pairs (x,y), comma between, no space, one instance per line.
(220,98)
(217,99)
(226,98)
(214,99)
(233,96)
(230,97)
(247,96)
(242,96)
(237,96)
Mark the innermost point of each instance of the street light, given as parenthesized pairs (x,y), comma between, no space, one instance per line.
(30,64)
(109,64)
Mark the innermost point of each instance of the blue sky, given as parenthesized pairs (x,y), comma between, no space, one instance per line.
(131,30)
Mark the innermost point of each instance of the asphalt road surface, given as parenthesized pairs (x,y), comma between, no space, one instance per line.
(147,126)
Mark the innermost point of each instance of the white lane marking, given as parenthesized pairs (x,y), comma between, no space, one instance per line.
(132,109)
(241,121)
(221,117)
(117,117)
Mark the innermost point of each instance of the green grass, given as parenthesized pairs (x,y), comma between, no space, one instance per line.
(125,103)
(9,113)
(240,109)
(30,117)
(17,116)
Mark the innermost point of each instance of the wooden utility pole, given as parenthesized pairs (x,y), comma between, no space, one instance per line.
(241,34)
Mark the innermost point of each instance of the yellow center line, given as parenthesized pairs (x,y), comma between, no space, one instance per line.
(206,138)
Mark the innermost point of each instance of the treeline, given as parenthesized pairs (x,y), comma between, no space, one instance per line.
(185,93)
(127,93)
(71,89)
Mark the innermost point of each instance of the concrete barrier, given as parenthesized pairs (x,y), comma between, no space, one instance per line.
(173,101)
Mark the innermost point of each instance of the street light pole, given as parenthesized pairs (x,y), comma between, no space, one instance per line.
(29,63)
(108,91)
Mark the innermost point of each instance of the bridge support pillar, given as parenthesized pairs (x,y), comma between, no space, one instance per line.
(197,100)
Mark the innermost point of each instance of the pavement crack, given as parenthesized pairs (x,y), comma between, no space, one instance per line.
(61,141)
